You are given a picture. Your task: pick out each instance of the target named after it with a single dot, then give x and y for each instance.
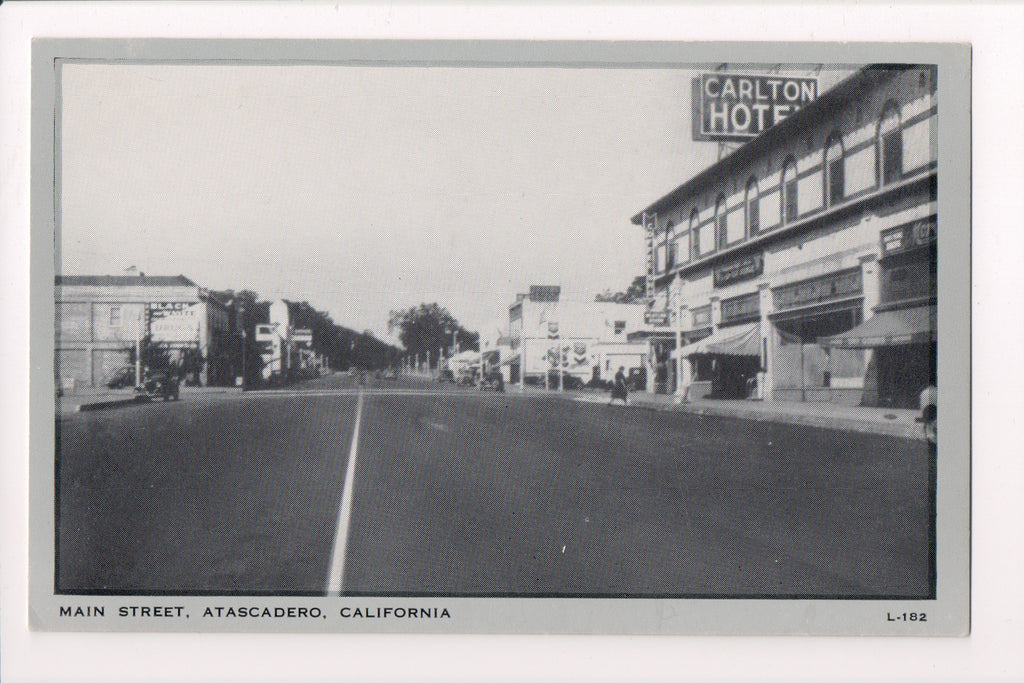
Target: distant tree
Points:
(427, 328)
(636, 292)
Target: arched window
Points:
(694, 234)
(788, 190)
(834, 164)
(890, 144)
(752, 204)
(670, 246)
(720, 217)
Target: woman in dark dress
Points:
(619, 389)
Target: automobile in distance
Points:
(493, 381)
(122, 379)
(158, 385)
(569, 381)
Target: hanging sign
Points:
(656, 318)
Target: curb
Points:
(103, 405)
(839, 423)
(844, 424)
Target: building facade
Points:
(285, 349)
(589, 340)
(100, 319)
(802, 265)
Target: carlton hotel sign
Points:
(737, 107)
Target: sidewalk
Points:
(885, 421)
(82, 400)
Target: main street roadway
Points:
(404, 488)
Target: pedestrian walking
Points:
(619, 389)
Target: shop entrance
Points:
(903, 372)
(805, 370)
(731, 376)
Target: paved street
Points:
(458, 492)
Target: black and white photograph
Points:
(450, 338)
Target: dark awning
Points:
(888, 328)
(741, 340)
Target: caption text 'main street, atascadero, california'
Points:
(257, 612)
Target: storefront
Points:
(805, 311)
(726, 364)
(902, 332)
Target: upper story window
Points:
(720, 222)
(670, 246)
(752, 204)
(834, 164)
(788, 190)
(890, 144)
(115, 316)
(695, 234)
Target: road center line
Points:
(335, 579)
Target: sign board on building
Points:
(174, 321)
(742, 106)
(549, 293)
(739, 270)
(656, 318)
(903, 237)
(302, 336)
(839, 285)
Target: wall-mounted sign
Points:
(739, 270)
(903, 237)
(302, 336)
(656, 318)
(839, 285)
(742, 106)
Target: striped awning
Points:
(739, 340)
(888, 328)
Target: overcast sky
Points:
(367, 189)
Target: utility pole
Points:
(138, 346)
(241, 313)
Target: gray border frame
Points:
(948, 613)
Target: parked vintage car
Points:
(159, 385)
(122, 379)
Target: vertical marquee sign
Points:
(738, 107)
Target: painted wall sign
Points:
(739, 270)
(174, 321)
(742, 106)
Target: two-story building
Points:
(802, 265)
(587, 339)
(101, 318)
